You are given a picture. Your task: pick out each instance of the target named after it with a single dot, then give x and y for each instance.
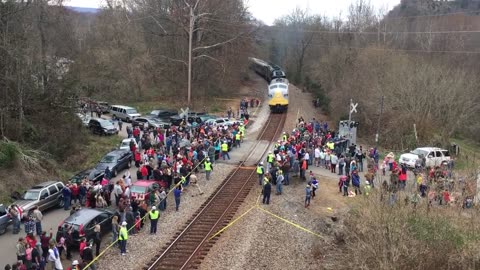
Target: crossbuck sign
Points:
(353, 107)
(184, 112)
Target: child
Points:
(341, 183)
(314, 186)
(138, 222)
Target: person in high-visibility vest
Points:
(153, 215)
(224, 148)
(284, 136)
(123, 237)
(260, 172)
(241, 128)
(270, 159)
(238, 138)
(208, 168)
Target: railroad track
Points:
(191, 244)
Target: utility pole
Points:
(379, 120)
(190, 41)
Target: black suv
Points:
(90, 174)
(83, 222)
(163, 114)
(102, 127)
(116, 161)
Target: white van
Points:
(125, 113)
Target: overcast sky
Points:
(269, 10)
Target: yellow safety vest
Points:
(237, 136)
(242, 129)
(154, 215)
(331, 145)
(183, 179)
(123, 233)
(270, 158)
(224, 147)
(208, 166)
(259, 169)
(265, 181)
(284, 137)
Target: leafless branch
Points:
(211, 58)
(159, 24)
(172, 59)
(217, 44)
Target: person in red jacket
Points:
(144, 172)
(30, 239)
(75, 192)
(137, 158)
(45, 240)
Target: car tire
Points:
(2, 231)
(127, 120)
(60, 203)
(129, 164)
(114, 117)
(114, 173)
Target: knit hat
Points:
(75, 262)
(124, 223)
(154, 208)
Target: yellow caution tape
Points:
(290, 222)
(231, 223)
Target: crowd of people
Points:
(313, 144)
(172, 158)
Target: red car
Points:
(142, 188)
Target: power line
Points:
(432, 15)
(285, 29)
(373, 48)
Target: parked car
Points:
(45, 195)
(102, 127)
(125, 113)
(116, 161)
(433, 156)
(85, 118)
(153, 123)
(5, 219)
(83, 222)
(206, 117)
(125, 144)
(91, 174)
(104, 107)
(142, 188)
(163, 114)
(220, 122)
(176, 120)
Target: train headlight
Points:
(285, 95)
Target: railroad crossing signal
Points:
(184, 112)
(353, 107)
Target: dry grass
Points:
(378, 235)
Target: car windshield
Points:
(125, 144)
(138, 189)
(155, 112)
(105, 123)
(131, 111)
(108, 159)
(419, 152)
(31, 195)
